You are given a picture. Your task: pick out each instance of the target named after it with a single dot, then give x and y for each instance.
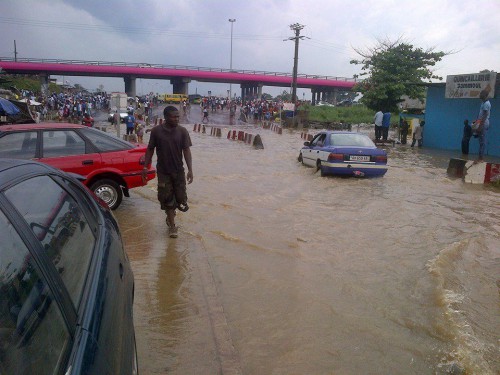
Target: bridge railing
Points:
(179, 67)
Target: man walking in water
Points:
(171, 142)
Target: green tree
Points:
(285, 96)
(394, 69)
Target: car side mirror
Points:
(307, 143)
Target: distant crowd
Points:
(77, 106)
(249, 109)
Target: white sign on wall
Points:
(470, 85)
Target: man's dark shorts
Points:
(172, 190)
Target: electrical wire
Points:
(158, 31)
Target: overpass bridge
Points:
(250, 81)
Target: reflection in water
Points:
(173, 328)
(322, 275)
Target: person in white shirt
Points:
(378, 124)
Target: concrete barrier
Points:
(199, 128)
(474, 173)
(233, 135)
(273, 127)
(456, 167)
(130, 137)
(257, 142)
(103, 128)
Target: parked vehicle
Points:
(175, 98)
(326, 104)
(66, 286)
(194, 98)
(109, 165)
(111, 116)
(344, 153)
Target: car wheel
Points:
(300, 158)
(109, 191)
(319, 168)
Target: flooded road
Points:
(280, 271)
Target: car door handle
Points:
(87, 162)
(121, 270)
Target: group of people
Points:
(135, 124)
(382, 123)
(417, 128)
(257, 110)
(476, 129)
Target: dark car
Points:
(111, 166)
(66, 286)
(344, 153)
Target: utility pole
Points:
(15, 51)
(232, 20)
(295, 27)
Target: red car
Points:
(109, 165)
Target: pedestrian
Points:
(421, 143)
(139, 129)
(467, 134)
(386, 123)
(88, 120)
(378, 124)
(482, 124)
(171, 142)
(130, 122)
(404, 131)
(205, 115)
(417, 133)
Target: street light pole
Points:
(232, 20)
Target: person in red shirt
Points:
(88, 120)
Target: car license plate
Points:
(359, 158)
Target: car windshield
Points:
(349, 139)
(105, 142)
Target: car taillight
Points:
(380, 159)
(333, 157)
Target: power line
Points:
(156, 31)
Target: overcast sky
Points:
(198, 33)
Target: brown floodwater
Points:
(278, 270)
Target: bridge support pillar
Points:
(259, 91)
(180, 85)
(316, 97)
(251, 91)
(44, 83)
(130, 86)
(245, 92)
(334, 96)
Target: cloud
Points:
(197, 33)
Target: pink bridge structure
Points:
(251, 82)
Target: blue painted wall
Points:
(444, 121)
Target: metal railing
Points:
(179, 67)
